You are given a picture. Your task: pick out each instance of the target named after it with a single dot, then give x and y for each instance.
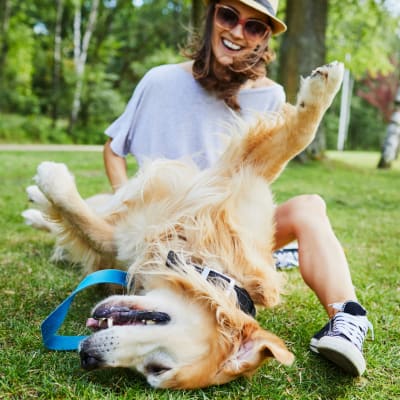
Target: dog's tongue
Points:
(93, 323)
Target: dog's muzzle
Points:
(90, 359)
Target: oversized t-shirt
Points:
(170, 115)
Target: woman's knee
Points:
(298, 215)
(306, 208)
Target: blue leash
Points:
(54, 321)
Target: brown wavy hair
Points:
(225, 81)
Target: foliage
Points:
(31, 129)
(363, 34)
(17, 73)
(122, 41)
(380, 90)
(365, 220)
(124, 46)
(366, 126)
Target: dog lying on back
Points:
(197, 246)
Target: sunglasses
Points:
(228, 18)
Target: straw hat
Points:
(267, 7)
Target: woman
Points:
(175, 112)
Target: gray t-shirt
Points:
(170, 115)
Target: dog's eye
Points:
(156, 369)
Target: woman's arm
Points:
(115, 167)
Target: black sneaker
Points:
(341, 339)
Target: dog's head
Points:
(182, 332)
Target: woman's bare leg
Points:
(323, 264)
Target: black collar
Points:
(245, 302)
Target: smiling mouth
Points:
(105, 317)
(230, 45)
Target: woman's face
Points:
(230, 43)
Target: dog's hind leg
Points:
(88, 238)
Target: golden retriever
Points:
(197, 246)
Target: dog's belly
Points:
(193, 222)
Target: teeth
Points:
(231, 45)
(102, 322)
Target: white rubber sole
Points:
(343, 353)
(314, 345)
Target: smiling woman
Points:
(234, 50)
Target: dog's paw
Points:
(35, 219)
(36, 196)
(321, 86)
(54, 180)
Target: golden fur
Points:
(222, 218)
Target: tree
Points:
(81, 47)
(5, 14)
(303, 49)
(196, 14)
(360, 33)
(37, 61)
(57, 60)
(391, 145)
(380, 90)
(4, 44)
(365, 35)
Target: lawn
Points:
(364, 207)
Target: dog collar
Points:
(245, 302)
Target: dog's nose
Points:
(89, 359)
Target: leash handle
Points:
(53, 322)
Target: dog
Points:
(197, 246)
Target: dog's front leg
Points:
(268, 147)
(76, 221)
(315, 96)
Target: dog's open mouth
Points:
(108, 316)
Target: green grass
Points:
(363, 205)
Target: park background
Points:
(68, 67)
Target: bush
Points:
(366, 127)
(92, 134)
(31, 129)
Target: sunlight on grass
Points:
(362, 159)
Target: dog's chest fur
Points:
(214, 220)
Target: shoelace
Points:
(354, 327)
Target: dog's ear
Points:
(255, 348)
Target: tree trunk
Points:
(302, 50)
(390, 148)
(196, 14)
(4, 25)
(57, 61)
(80, 55)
